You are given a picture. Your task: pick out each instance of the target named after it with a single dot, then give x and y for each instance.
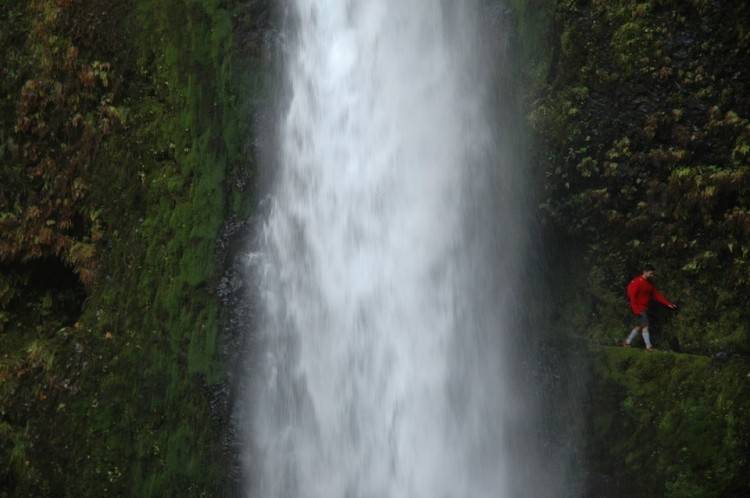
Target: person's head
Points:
(648, 271)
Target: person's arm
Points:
(659, 298)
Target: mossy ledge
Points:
(669, 425)
(124, 146)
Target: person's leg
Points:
(637, 326)
(646, 337)
(644, 330)
(632, 335)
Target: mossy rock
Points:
(671, 425)
(121, 400)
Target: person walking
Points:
(640, 292)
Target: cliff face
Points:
(123, 128)
(646, 160)
(642, 140)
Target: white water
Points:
(385, 301)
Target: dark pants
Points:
(641, 320)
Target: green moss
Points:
(670, 425)
(640, 137)
(122, 396)
(624, 130)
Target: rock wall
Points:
(124, 147)
(640, 124)
(645, 132)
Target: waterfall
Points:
(388, 262)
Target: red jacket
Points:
(640, 293)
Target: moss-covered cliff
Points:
(646, 138)
(640, 121)
(123, 133)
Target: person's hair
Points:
(649, 268)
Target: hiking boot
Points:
(650, 350)
(624, 344)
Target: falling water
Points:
(388, 262)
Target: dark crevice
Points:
(46, 287)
